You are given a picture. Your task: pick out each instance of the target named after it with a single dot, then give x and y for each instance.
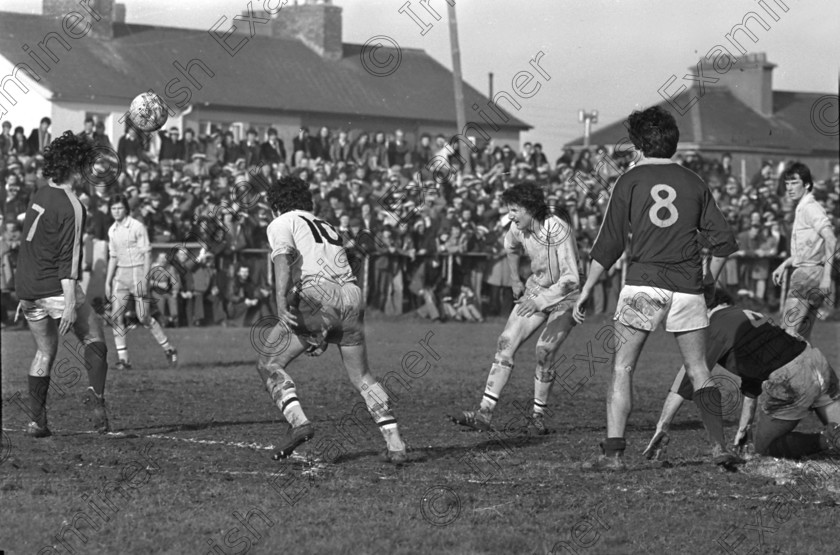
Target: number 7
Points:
(40, 210)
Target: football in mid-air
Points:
(148, 112)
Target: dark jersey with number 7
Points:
(671, 214)
(51, 249)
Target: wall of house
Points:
(24, 107)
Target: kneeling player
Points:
(325, 306)
(549, 297)
(782, 375)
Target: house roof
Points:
(272, 74)
(721, 121)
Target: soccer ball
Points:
(148, 112)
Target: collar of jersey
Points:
(649, 161)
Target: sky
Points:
(605, 55)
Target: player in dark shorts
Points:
(47, 279)
(782, 377)
(318, 302)
(666, 207)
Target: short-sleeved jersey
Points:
(747, 344)
(51, 249)
(316, 246)
(807, 246)
(554, 258)
(670, 211)
(128, 243)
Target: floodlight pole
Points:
(460, 115)
(587, 119)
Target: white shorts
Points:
(52, 307)
(644, 307)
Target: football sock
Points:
(157, 333)
(709, 403)
(96, 357)
(499, 374)
(542, 389)
(38, 387)
(614, 446)
(376, 399)
(119, 341)
(794, 445)
(282, 390)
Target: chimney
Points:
(317, 23)
(119, 13)
(104, 9)
(750, 79)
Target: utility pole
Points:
(460, 115)
(587, 119)
(490, 78)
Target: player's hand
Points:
(740, 441)
(579, 313)
(287, 318)
(526, 308)
(778, 274)
(68, 317)
(655, 450)
(518, 288)
(108, 292)
(825, 284)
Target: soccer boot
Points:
(172, 357)
(99, 415)
(123, 365)
(536, 426)
(477, 420)
(36, 430)
(830, 438)
(725, 458)
(396, 457)
(293, 438)
(657, 447)
(613, 463)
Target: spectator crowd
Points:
(421, 235)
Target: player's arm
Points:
(513, 251)
(746, 420)
(146, 248)
(831, 249)
(717, 235)
(282, 280)
(69, 253)
(680, 391)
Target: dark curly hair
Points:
(67, 155)
(289, 193)
(804, 173)
(654, 131)
(119, 198)
(531, 197)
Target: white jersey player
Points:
(547, 297)
(318, 302)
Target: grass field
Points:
(191, 469)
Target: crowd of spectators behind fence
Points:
(378, 191)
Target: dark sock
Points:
(709, 403)
(97, 366)
(794, 445)
(38, 387)
(614, 446)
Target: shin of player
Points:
(547, 297)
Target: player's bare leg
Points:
(45, 332)
(280, 348)
(707, 397)
(517, 330)
(376, 399)
(142, 304)
(799, 317)
(548, 346)
(88, 329)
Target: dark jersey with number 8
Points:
(671, 214)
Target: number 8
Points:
(666, 202)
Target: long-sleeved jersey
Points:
(747, 344)
(554, 259)
(51, 249)
(670, 212)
